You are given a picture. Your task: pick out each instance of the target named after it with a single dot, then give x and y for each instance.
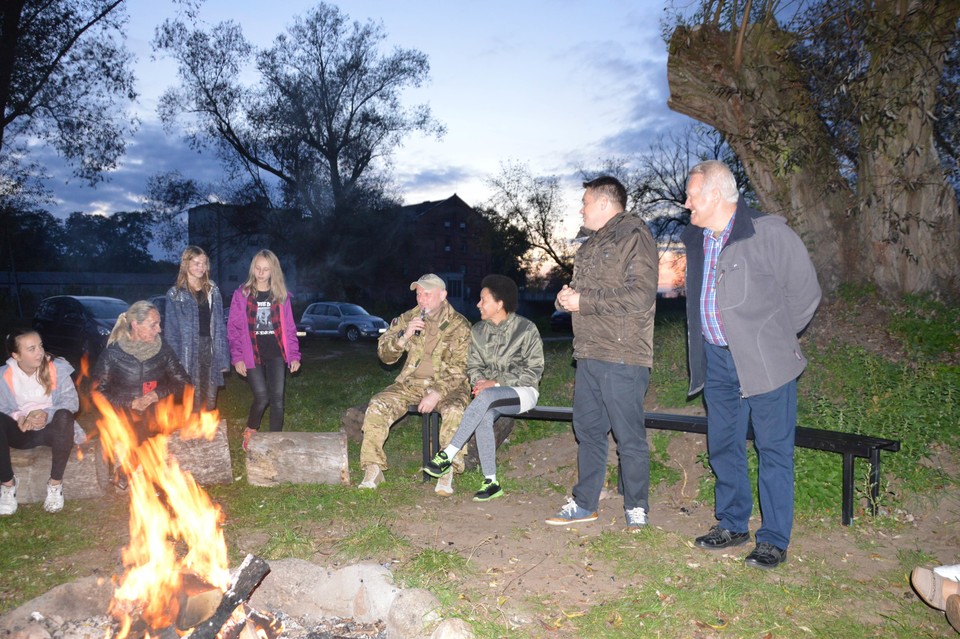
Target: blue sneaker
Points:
(571, 513)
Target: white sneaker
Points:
(445, 485)
(8, 498)
(635, 517)
(372, 477)
(54, 501)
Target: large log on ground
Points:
(207, 460)
(297, 458)
(86, 475)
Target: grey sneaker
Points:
(635, 517)
(8, 498)
(571, 513)
(372, 477)
(54, 501)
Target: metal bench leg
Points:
(430, 435)
(425, 439)
(846, 508)
(874, 480)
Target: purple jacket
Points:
(238, 333)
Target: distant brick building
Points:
(452, 240)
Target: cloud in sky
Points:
(557, 84)
(151, 151)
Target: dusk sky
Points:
(557, 84)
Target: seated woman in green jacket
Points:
(505, 364)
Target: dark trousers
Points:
(609, 397)
(205, 390)
(774, 419)
(58, 435)
(266, 382)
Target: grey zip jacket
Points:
(767, 293)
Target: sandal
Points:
(247, 434)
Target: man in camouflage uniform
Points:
(435, 338)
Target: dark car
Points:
(561, 321)
(340, 319)
(74, 325)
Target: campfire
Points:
(176, 579)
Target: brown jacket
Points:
(615, 272)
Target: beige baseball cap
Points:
(429, 282)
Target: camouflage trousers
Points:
(392, 403)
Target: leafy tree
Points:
(834, 114)
(64, 78)
(326, 108)
(169, 195)
(118, 243)
(534, 205)
(510, 247)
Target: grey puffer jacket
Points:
(767, 293)
(615, 272)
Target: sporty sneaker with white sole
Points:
(8, 498)
(372, 477)
(54, 501)
(635, 517)
(571, 513)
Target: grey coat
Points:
(181, 330)
(767, 292)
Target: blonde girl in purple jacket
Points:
(263, 339)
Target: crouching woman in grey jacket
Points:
(504, 364)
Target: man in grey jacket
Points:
(612, 301)
(751, 289)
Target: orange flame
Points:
(174, 527)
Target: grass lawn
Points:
(665, 593)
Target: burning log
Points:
(198, 600)
(297, 458)
(248, 577)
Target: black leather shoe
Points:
(766, 556)
(722, 538)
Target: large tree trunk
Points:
(769, 118)
(766, 114)
(908, 223)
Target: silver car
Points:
(340, 319)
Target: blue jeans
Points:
(774, 418)
(609, 397)
(266, 382)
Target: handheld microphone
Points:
(423, 314)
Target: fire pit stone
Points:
(294, 587)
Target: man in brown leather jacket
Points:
(612, 301)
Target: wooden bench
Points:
(849, 445)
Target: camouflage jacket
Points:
(449, 357)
